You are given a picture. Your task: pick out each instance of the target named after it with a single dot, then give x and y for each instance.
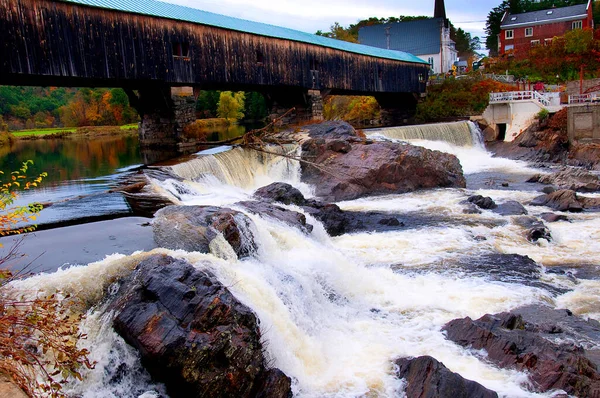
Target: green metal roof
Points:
(182, 13)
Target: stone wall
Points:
(164, 127)
(584, 123)
(591, 84)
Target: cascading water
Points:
(460, 134)
(335, 312)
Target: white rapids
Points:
(335, 312)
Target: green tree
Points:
(465, 44)
(231, 106)
(256, 106)
(207, 103)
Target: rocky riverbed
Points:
(372, 267)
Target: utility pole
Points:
(387, 36)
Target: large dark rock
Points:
(482, 202)
(363, 168)
(333, 130)
(536, 229)
(563, 200)
(290, 217)
(510, 208)
(530, 340)
(280, 192)
(426, 377)
(192, 333)
(193, 228)
(575, 179)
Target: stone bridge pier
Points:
(164, 112)
(308, 104)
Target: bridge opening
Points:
(501, 131)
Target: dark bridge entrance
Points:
(151, 47)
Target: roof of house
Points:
(545, 16)
(418, 37)
(172, 11)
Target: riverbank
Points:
(46, 251)
(72, 132)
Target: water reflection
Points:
(82, 169)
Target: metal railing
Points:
(584, 98)
(500, 78)
(519, 96)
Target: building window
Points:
(181, 50)
(547, 42)
(509, 34)
(430, 60)
(528, 32)
(260, 58)
(535, 43)
(577, 25)
(509, 47)
(421, 78)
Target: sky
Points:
(312, 15)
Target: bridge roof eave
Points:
(161, 9)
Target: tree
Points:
(350, 34)
(466, 45)
(231, 106)
(337, 31)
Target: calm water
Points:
(81, 170)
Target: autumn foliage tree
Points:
(359, 111)
(38, 335)
(231, 105)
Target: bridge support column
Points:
(396, 108)
(164, 111)
(308, 105)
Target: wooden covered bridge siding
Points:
(56, 43)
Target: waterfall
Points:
(463, 134)
(240, 167)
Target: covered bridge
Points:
(148, 47)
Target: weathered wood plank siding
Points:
(86, 45)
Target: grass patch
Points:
(132, 126)
(75, 131)
(41, 132)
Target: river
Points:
(335, 312)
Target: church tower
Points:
(440, 11)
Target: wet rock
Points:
(470, 208)
(548, 189)
(482, 202)
(375, 169)
(10, 389)
(510, 208)
(552, 217)
(563, 200)
(192, 333)
(511, 268)
(574, 179)
(193, 228)
(290, 217)
(333, 130)
(280, 192)
(535, 228)
(392, 222)
(426, 377)
(529, 340)
(339, 146)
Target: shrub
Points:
(542, 115)
(38, 336)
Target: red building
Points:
(520, 32)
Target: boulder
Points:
(510, 208)
(426, 377)
(530, 341)
(536, 229)
(482, 202)
(333, 130)
(373, 168)
(575, 179)
(280, 192)
(552, 217)
(290, 217)
(192, 333)
(563, 200)
(193, 228)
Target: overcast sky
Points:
(312, 15)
